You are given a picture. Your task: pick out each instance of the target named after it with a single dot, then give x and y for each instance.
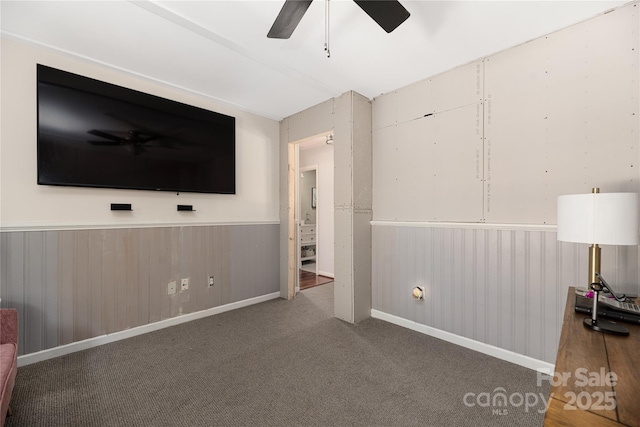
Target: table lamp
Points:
(599, 218)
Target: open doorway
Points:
(348, 118)
(315, 212)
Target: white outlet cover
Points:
(184, 284)
(172, 288)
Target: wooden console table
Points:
(583, 356)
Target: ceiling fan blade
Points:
(110, 143)
(389, 14)
(288, 19)
(138, 137)
(105, 135)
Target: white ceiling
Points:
(219, 48)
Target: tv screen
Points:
(96, 134)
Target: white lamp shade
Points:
(601, 218)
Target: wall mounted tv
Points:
(95, 134)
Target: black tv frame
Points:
(129, 139)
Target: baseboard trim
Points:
(40, 356)
(325, 274)
(491, 350)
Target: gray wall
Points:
(70, 285)
(504, 287)
(467, 167)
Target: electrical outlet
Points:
(172, 288)
(418, 293)
(184, 284)
(211, 282)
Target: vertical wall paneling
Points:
(94, 283)
(404, 274)
(550, 303)
(519, 286)
(33, 290)
(109, 265)
(131, 237)
(71, 285)
(438, 287)
(223, 242)
(274, 258)
(418, 255)
(66, 292)
(244, 259)
(185, 259)
(493, 319)
(14, 295)
(81, 285)
(457, 288)
(158, 275)
(480, 286)
(505, 270)
(449, 268)
(468, 271)
(211, 294)
(534, 279)
(384, 267)
(504, 287)
(198, 282)
(50, 287)
(175, 252)
(118, 282)
(144, 275)
(252, 269)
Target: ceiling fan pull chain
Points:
(326, 28)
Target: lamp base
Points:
(605, 326)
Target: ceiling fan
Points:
(134, 140)
(389, 14)
(134, 137)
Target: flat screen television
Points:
(96, 134)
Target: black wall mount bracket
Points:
(121, 206)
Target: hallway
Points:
(309, 280)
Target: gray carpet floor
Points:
(279, 363)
